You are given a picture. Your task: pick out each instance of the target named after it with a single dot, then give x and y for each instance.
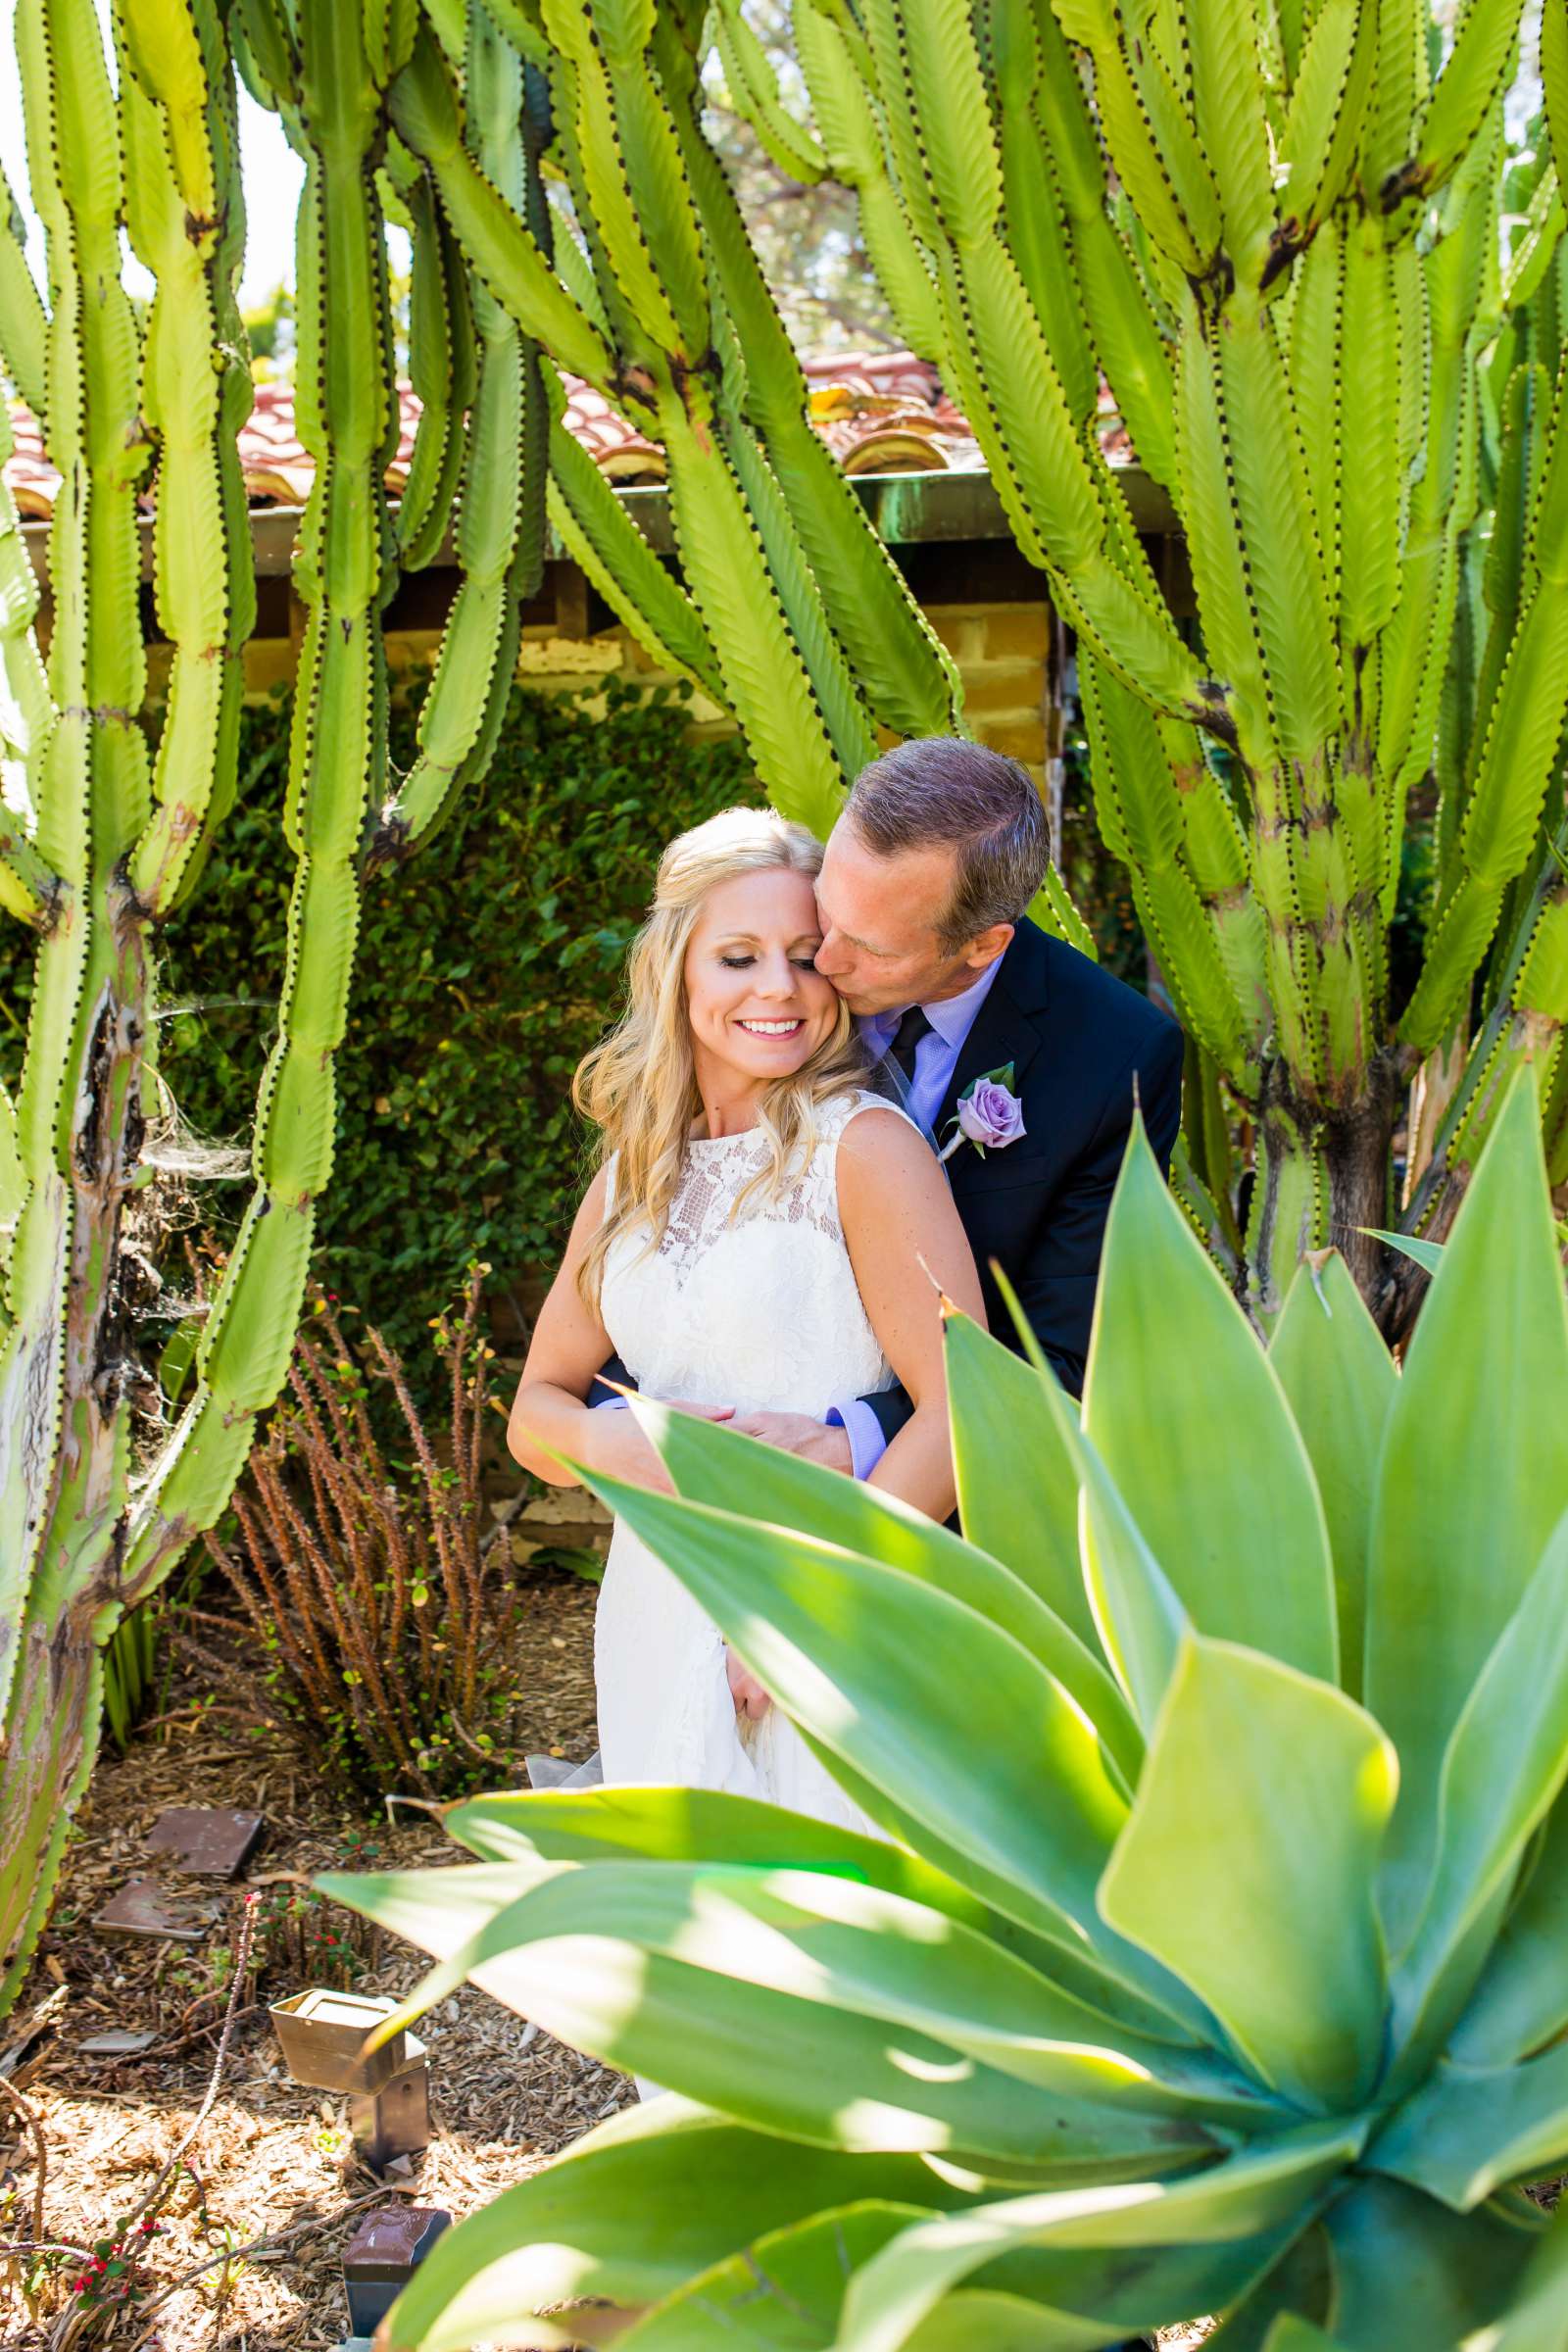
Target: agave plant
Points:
(1212, 1960)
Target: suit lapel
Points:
(1002, 1032)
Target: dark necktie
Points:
(907, 1037)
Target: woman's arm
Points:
(906, 1242)
(569, 1345)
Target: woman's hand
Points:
(750, 1699)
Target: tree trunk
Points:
(1323, 1183)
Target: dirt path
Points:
(273, 2162)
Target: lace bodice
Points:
(760, 1310)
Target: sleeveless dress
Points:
(760, 1310)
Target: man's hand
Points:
(745, 1690)
(798, 1434)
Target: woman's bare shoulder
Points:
(879, 1137)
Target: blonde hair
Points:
(639, 1087)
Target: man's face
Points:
(880, 917)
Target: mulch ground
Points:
(252, 2229)
(247, 2258)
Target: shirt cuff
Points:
(867, 1445)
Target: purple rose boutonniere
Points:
(990, 1115)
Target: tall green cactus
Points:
(103, 844)
(1275, 233)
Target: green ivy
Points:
(487, 966)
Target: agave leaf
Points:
(1339, 1380)
(709, 1825)
(1411, 2278)
(1298, 2289)
(704, 1826)
(693, 1825)
(629, 2213)
(672, 1970)
(1137, 1614)
(735, 1473)
(1250, 1882)
(837, 1639)
(785, 2290)
(1409, 1245)
(1450, 1555)
(1468, 2132)
(1521, 2002)
(1017, 1478)
(1060, 2302)
(1504, 1766)
(1538, 2313)
(1267, 2188)
(1006, 2324)
(1161, 1300)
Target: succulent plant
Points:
(1211, 1964)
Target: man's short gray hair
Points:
(939, 792)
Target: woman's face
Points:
(757, 1006)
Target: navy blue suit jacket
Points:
(1078, 1041)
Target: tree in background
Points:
(804, 222)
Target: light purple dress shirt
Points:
(936, 1058)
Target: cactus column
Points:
(1281, 252)
(97, 851)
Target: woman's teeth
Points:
(771, 1028)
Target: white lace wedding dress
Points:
(760, 1311)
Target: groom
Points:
(941, 848)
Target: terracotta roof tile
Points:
(878, 411)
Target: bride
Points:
(763, 1233)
